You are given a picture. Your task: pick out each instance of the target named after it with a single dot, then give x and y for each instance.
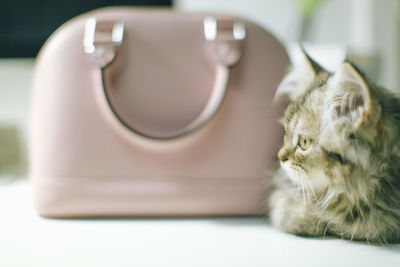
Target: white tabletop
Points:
(28, 240)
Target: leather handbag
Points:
(143, 112)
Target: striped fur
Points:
(347, 182)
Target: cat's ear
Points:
(300, 77)
(349, 96)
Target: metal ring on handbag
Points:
(103, 38)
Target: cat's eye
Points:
(304, 142)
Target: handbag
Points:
(143, 112)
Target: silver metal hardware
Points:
(239, 31)
(102, 39)
(211, 30)
(225, 37)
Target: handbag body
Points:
(140, 112)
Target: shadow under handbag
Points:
(154, 113)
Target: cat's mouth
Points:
(314, 180)
(295, 172)
(300, 178)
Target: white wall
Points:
(387, 38)
(15, 80)
(336, 22)
(281, 17)
(15, 84)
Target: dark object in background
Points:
(25, 24)
(12, 161)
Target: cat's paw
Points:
(292, 217)
(281, 214)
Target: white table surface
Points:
(29, 240)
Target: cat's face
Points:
(301, 155)
(328, 126)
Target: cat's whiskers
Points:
(302, 189)
(329, 196)
(306, 189)
(311, 189)
(304, 186)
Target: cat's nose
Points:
(282, 156)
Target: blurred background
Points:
(365, 31)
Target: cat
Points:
(340, 160)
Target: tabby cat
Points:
(340, 161)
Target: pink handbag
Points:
(154, 113)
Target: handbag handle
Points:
(103, 38)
